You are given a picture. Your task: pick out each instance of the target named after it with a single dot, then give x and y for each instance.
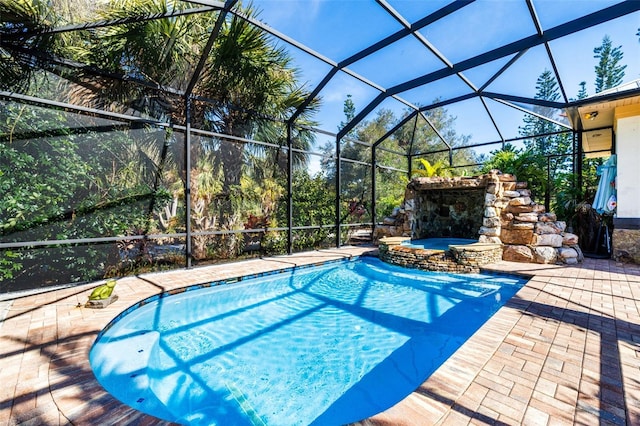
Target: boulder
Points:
(527, 217)
(517, 254)
(518, 209)
(545, 254)
(507, 177)
(501, 203)
(521, 225)
(516, 236)
(567, 253)
(569, 239)
(489, 200)
(409, 204)
(548, 217)
(548, 228)
(511, 194)
(520, 201)
(491, 222)
(539, 208)
(551, 240)
(490, 232)
(488, 239)
(490, 212)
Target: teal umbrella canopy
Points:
(605, 201)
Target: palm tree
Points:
(21, 34)
(248, 87)
(439, 168)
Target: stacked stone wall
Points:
(429, 260)
(528, 233)
(511, 218)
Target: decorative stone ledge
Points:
(458, 258)
(507, 216)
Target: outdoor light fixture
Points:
(591, 115)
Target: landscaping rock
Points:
(511, 194)
(507, 177)
(510, 217)
(491, 222)
(539, 208)
(565, 253)
(579, 251)
(548, 228)
(520, 201)
(521, 225)
(545, 254)
(569, 239)
(491, 232)
(488, 239)
(515, 253)
(548, 217)
(551, 240)
(516, 236)
(490, 212)
(527, 217)
(518, 209)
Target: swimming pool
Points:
(437, 243)
(331, 344)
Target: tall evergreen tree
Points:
(582, 93)
(546, 89)
(609, 71)
(554, 147)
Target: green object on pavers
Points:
(104, 291)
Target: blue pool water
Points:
(437, 243)
(325, 345)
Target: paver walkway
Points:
(564, 350)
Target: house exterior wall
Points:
(626, 234)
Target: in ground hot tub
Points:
(439, 254)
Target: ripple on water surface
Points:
(324, 345)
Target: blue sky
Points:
(340, 28)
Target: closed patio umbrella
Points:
(605, 199)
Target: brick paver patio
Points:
(564, 350)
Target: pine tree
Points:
(547, 89)
(349, 112)
(609, 71)
(554, 147)
(582, 93)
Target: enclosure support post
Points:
(547, 192)
(289, 190)
(578, 161)
(187, 182)
(338, 184)
(373, 191)
(574, 166)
